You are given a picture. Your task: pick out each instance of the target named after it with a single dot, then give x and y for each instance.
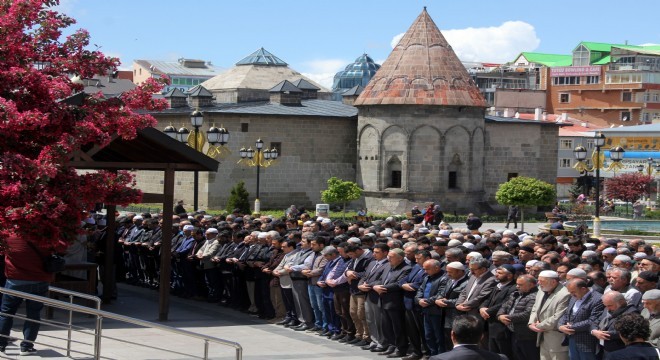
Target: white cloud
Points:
(497, 44)
(323, 71)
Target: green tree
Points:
(525, 191)
(239, 199)
(340, 191)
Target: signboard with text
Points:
(575, 71)
(634, 143)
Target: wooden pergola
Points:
(150, 150)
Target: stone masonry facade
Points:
(312, 149)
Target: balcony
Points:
(633, 67)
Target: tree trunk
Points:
(344, 211)
(522, 219)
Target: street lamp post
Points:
(649, 171)
(217, 138)
(616, 155)
(197, 120)
(259, 158)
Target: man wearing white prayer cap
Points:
(551, 303)
(446, 299)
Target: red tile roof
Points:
(423, 70)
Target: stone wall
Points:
(312, 149)
(524, 149)
(424, 143)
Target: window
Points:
(589, 144)
(625, 116)
(626, 96)
(593, 79)
(566, 80)
(453, 180)
(244, 127)
(277, 146)
(646, 117)
(565, 163)
(396, 179)
(564, 98)
(581, 56)
(510, 176)
(566, 144)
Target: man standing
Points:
(515, 313)
(391, 301)
(499, 339)
(605, 332)
(316, 292)
(651, 312)
(413, 317)
(433, 283)
(634, 331)
(547, 310)
(332, 322)
(25, 272)
(205, 253)
(372, 301)
(473, 223)
(619, 280)
(301, 262)
(355, 270)
(289, 250)
(512, 216)
(466, 332)
(478, 288)
(447, 298)
(584, 309)
(342, 296)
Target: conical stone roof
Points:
(422, 70)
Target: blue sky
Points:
(319, 38)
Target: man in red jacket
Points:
(24, 268)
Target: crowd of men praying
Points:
(395, 287)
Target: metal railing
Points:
(73, 295)
(101, 315)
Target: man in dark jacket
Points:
(433, 283)
(391, 303)
(515, 313)
(372, 301)
(499, 339)
(446, 298)
(634, 331)
(355, 270)
(414, 319)
(466, 332)
(584, 309)
(473, 223)
(616, 306)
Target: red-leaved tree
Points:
(41, 197)
(628, 187)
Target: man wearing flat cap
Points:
(548, 308)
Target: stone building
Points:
(423, 136)
(416, 133)
(262, 98)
